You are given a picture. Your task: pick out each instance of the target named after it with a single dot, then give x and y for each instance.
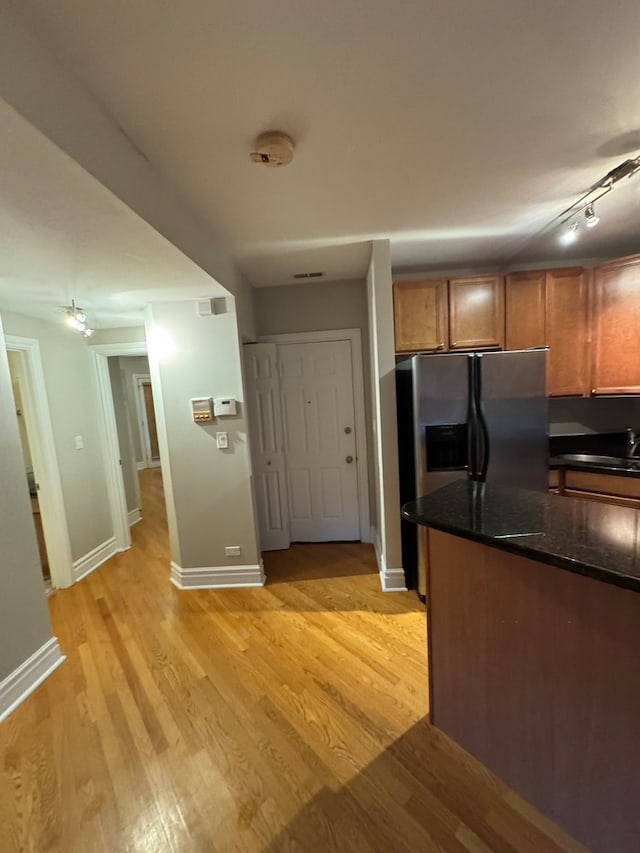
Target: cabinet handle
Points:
(593, 392)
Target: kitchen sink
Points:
(624, 464)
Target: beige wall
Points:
(123, 335)
(380, 302)
(73, 406)
(24, 621)
(322, 306)
(208, 491)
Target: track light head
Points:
(570, 233)
(590, 216)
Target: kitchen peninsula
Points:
(534, 648)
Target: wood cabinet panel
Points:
(528, 664)
(616, 328)
(634, 503)
(567, 332)
(476, 313)
(525, 310)
(603, 484)
(420, 315)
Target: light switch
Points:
(79, 442)
(222, 440)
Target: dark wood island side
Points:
(534, 648)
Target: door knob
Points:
(347, 430)
(349, 459)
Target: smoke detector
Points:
(273, 148)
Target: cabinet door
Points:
(476, 313)
(616, 328)
(525, 311)
(567, 321)
(420, 315)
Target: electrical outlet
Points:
(232, 551)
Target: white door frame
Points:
(43, 451)
(354, 337)
(142, 420)
(109, 437)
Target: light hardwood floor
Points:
(290, 718)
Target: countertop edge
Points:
(513, 547)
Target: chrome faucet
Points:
(633, 442)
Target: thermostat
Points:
(202, 409)
(224, 406)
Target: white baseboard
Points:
(15, 688)
(391, 580)
(141, 465)
(217, 577)
(134, 516)
(94, 558)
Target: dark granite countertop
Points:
(610, 452)
(631, 466)
(598, 540)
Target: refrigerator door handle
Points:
(483, 442)
(472, 423)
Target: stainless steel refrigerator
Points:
(481, 416)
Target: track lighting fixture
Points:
(77, 319)
(570, 219)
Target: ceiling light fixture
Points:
(585, 204)
(77, 319)
(590, 216)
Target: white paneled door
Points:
(267, 445)
(316, 386)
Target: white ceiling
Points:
(63, 236)
(458, 129)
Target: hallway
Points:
(286, 718)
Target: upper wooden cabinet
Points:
(525, 310)
(420, 315)
(616, 327)
(567, 329)
(476, 313)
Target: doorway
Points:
(31, 476)
(306, 406)
(41, 464)
(146, 417)
(104, 356)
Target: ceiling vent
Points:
(308, 275)
(273, 148)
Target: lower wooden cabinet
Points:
(606, 488)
